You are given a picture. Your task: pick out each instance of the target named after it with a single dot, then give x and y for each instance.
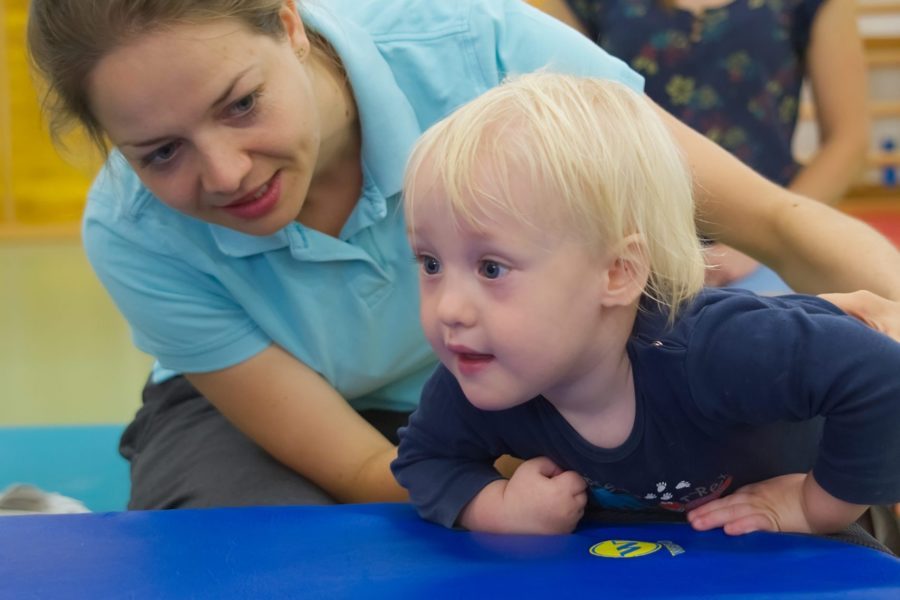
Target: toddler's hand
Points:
(794, 503)
(772, 505)
(541, 498)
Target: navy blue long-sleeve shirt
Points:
(743, 388)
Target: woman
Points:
(247, 223)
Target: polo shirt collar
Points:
(388, 122)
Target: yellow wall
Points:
(37, 187)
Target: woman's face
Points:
(219, 122)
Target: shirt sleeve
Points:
(761, 360)
(446, 453)
(179, 314)
(516, 38)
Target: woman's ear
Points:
(627, 273)
(293, 28)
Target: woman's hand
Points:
(875, 311)
(726, 265)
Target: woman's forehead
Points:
(165, 76)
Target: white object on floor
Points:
(24, 499)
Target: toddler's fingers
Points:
(748, 524)
(571, 481)
(581, 499)
(713, 506)
(723, 512)
(544, 466)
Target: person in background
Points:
(562, 203)
(247, 222)
(733, 70)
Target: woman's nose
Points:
(223, 168)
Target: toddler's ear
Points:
(627, 273)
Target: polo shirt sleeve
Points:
(446, 452)
(516, 38)
(178, 313)
(755, 360)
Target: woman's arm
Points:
(812, 246)
(837, 73)
(296, 416)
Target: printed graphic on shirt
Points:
(682, 496)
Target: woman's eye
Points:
(161, 155)
(491, 269)
(430, 265)
(243, 106)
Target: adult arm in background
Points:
(301, 420)
(805, 241)
(837, 72)
(836, 68)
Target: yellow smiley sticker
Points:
(624, 548)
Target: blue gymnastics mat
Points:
(78, 461)
(385, 551)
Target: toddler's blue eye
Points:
(431, 265)
(492, 270)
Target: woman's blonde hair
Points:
(67, 38)
(601, 160)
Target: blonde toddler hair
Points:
(602, 160)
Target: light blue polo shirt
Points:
(200, 297)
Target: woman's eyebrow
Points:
(225, 95)
(221, 99)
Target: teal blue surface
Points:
(80, 462)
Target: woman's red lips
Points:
(259, 203)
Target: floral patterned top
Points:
(733, 72)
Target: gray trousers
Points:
(185, 454)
